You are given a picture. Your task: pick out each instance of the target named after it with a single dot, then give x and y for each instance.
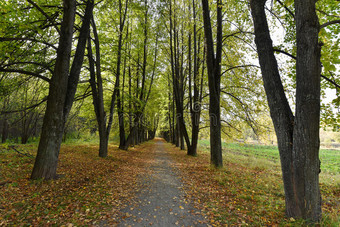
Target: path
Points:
(161, 201)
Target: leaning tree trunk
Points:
(298, 138)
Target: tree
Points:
(214, 77)
(298, 136)
(96, 82)
(62, 89)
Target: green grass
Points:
(268, 190)
(267, 157)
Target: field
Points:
(263, 156)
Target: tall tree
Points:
(195, 96)
(96, 83)
(298, 136)
(213, 60)
(120, 100)
(62, 89)
(138, 131)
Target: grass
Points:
(263, 156)
(249, 190)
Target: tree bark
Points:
(298, 138)
(62, 89)
(306, 141)
(214, 77)
(45, 165)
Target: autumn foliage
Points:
(93, 190)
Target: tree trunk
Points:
(77, 63)
(298, 138)
(306, 141)
(97, 94)
(62, 89)
(120, 101)
(45, 165)
(96, 82)
(214, 77)
(195, 102)
(4, 134)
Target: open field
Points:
(268, 157)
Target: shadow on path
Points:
(161, 201)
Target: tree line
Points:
(176, 67)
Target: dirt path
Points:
(160, 202)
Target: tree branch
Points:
(329, 23)
(331, 81)
(32, 63)
(326, 78)
(25, 72)
(284, 52)
(44, 13)
(239, 66)
(2, 39)
(28, 108)
(284, 6)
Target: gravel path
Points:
(161, 201)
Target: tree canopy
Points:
(127, 70)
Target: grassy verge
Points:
(248, 190)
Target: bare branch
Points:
(326, 78)
(284, 6)
(284, 52)
(236, 33)
(330, 15)
(239, 66)
(32, 63)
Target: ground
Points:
(154, 184)
(161, 201)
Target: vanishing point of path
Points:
(161, 202)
